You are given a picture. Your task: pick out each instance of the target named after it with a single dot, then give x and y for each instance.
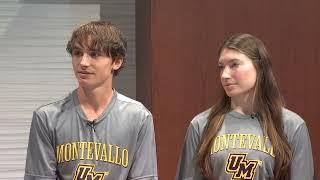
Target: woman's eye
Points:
(220, 67)
(234, 65)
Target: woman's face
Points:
(237, 73)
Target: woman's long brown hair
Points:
(267, 99)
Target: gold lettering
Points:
(216, 144)
(83, 146)
(117, 156)
(104, 156)
(241, 141)
(67, 152)
(94, 151)
(97, 150)
(234, 137)
(60, 155)
(125, 158)
(258, 143)
(75, 151)
(111, 158)
(265, 144)
(224, 142)
(251, 138)
(89, 151)
(271, 152)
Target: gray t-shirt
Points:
(241, 151)
(119, 145)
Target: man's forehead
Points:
(85, 44)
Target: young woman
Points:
(247, 134)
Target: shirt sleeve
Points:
(40, 161)
(144, 166)
(302, 162)
(187, 168)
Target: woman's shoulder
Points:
(291, 118)
(291, 122)
(199, 121)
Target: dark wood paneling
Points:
(143, 52)
(185, 36)
(180, 69)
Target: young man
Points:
(95, 132)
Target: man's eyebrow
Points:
(77, 47)
(94, 49)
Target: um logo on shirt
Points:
(240, 167)
(85, 172)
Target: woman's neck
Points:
(243, 105)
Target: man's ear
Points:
(117, 63)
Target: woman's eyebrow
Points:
(228, 61)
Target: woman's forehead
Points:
(228, 55)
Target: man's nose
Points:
(85, 61)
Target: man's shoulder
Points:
(127, 100)
(62, 103)
(130, 105)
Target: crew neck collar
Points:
(102, 115)
(241, 116)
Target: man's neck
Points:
(94, 101)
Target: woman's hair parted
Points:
(267, 100)
(101, 36)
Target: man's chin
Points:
(84, 83)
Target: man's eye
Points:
(77, 52)
(94, 54)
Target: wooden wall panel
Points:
(184, 38)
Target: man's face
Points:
(92, 68)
